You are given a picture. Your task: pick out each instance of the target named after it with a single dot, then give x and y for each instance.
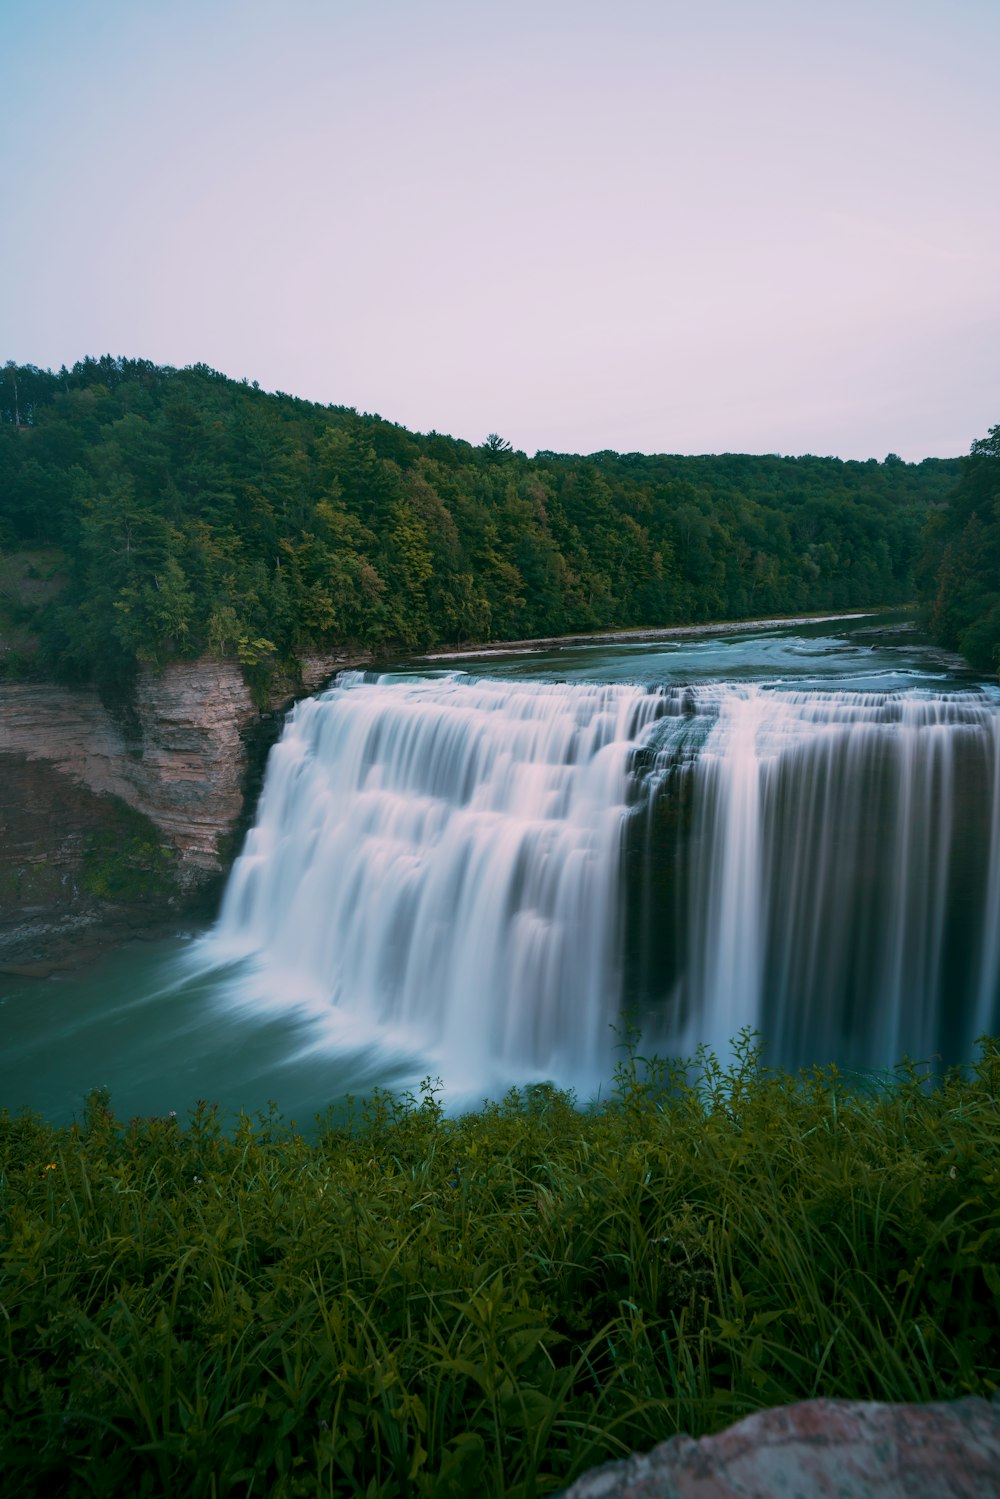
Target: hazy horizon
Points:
(752, 227)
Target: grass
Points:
(409, 1304)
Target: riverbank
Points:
(665, 632)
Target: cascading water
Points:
(835, 875)
(486, 871)
(439, 859)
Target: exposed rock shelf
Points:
(117, 818)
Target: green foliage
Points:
(128, 862)
(198, 513)
(28, 579)
(411, 1304)
(960, 568)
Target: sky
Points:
(718, 225)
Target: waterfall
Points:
(840, 873)
(486, 871)
(439, 857)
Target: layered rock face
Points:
(177, 758)
(75, 868)
(102, 810)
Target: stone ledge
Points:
(821, 1449)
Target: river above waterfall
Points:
(466, 867)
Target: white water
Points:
(437, 866)
(842, 877)
(437, 860)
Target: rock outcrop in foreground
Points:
(821, 1449)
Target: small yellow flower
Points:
(51, 1166)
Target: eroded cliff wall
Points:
(119, 819)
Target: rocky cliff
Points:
(114, 819)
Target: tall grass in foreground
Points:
(414, 1304)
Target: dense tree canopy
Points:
(960, 569)
(194, 512)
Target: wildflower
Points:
(50, 1167)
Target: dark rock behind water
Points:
(821, 1449)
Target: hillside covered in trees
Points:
(180, 511)
(960, 570)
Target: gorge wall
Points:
(123, 819)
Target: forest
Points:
(179, 511)
(959, 572)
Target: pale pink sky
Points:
(760, 226)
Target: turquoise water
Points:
(151, 1024)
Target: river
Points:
(467, 867)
